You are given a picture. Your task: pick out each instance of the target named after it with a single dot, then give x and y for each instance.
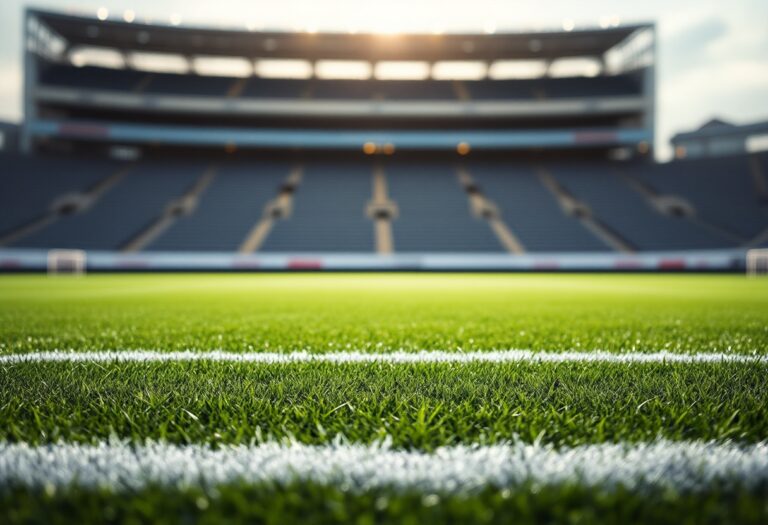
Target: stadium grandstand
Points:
(168, 147)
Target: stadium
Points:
(251, 275)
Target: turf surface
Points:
(418, 406)
(384, 312)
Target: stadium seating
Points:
(227, 210)
(122, 212)
(170, 84)
(91, 77)
(544, 88)
(29, 185)
(628, 213)
(328, 212)
(383, 90)
(274, 88)
(721, 189)
(434, 214)
(531, 211)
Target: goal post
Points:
(66, 262)
(757, 262)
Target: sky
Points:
(713, 55)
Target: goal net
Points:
(757, 262)
(66, 262)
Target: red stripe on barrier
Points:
(546, 265)
(300, 264)
(671, 264)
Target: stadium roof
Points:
(79, 30)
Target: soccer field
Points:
(369, 398)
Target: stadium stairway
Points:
(531, 210)
(36, 192)
(485, 208)
(281, 207)
(176, 208)
(237, 87)
(578, 209)
(118, 215)
(461, 91)
(328, 212)
(382, 211)
(677, 207)
(434, 214)
(628, 214)
(722, 190)
(227, 210)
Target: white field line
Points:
(119, 466)
(398, 357)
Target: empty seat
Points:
(328, 212)
(122, 212)
(274, 88)
(544, 88)
(531, 211)
(382, 90)
(628, 213)
(29, 185)
(90, 77)
(721, 189)
(227, 210)
(196, 85)
(434, 213)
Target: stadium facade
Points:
(540, 159)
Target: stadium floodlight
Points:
(66, 262)
(757, 262)
(369, 148)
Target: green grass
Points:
(314, 505)
(418, 406)
(421, 406)
(384, 312)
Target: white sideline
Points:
(119, 466)
(398, 357)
